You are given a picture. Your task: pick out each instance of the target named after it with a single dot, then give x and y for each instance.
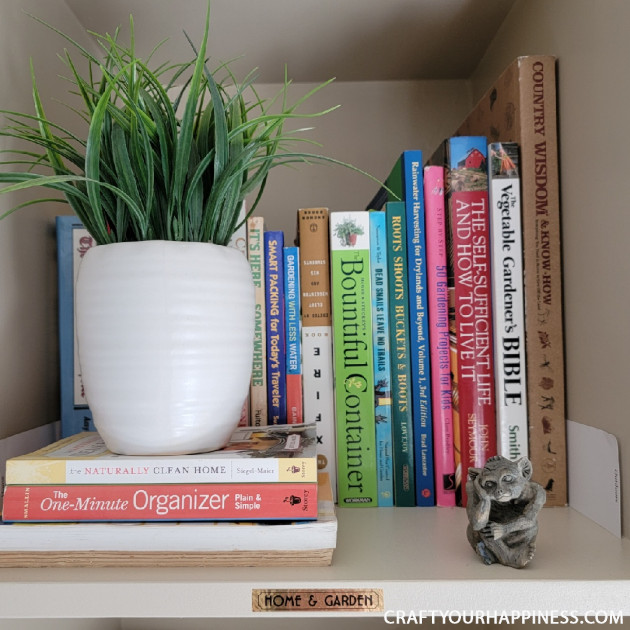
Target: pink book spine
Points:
(439, 336)
(295, 414)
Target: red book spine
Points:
(170, 502)
(473, 317)
(294, 399)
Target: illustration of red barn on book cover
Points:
(469, 221)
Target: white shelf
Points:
(419, 557)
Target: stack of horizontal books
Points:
(83, 499)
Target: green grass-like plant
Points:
(152, 166)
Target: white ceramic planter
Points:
(165, 335)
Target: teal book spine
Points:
(405, 183)
(402, 418)
(382, 366)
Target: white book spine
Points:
(508, 301)
(317, 387)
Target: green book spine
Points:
(353, 358)
(402, 417)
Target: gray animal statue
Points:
(503, 505)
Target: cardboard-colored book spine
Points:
(521, 107)
(317, 354)
(353, 355)
(258, 387)
(238, 241)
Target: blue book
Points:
(276, 340)
(73, 240)
(382, 368)
(402, 409)
(292, 298)
(406, 180)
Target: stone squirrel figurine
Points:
(503, 505)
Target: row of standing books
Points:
(417, 332)
(495, 350)
(436, 278)
(480, 333)
(411, 324)
(292, 376)
(429, 315)
(521, 107)
(504, 328)
(426, 392)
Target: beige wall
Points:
(28, 324)
(374, 123)
(591, 42)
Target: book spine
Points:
(293, 335)
(353, 355)
(169, 502)
(276, 365)
(238, 240)
(507, 297)
(419, 327)
(73, 240)
(402, 420)
(382, 367)
(521, 107)
(258, 388)
(469, 220)
(317, 354)
(155, 470)
(439, 337)
(543, 276)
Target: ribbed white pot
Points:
(165, 337)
